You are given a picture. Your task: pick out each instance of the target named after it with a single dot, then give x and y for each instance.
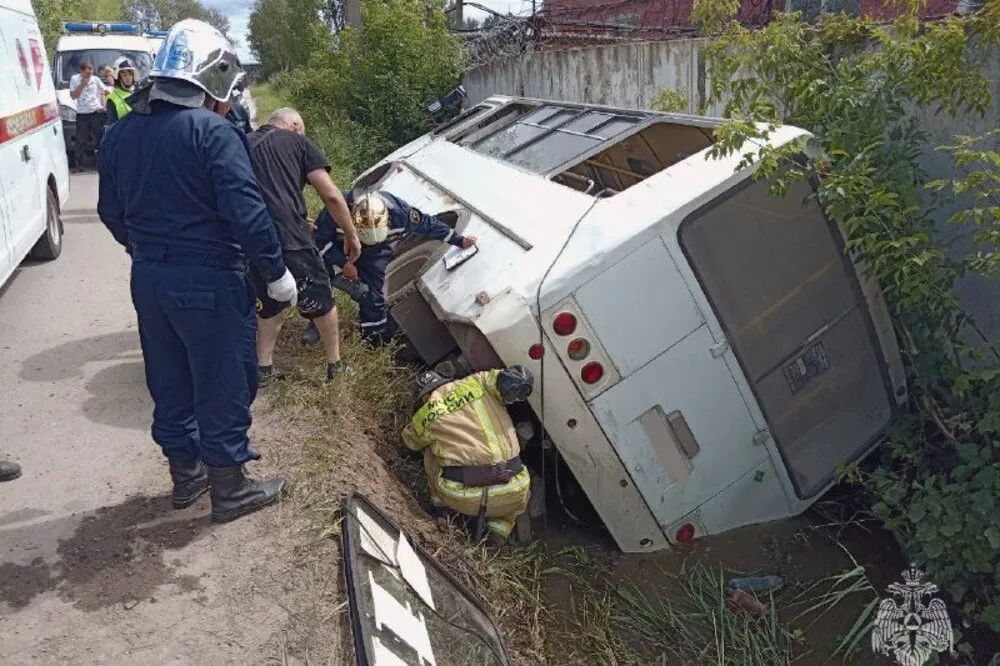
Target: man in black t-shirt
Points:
(284, 160)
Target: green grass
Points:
(267, 99)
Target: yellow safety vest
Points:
(118, 97)
(465, 423)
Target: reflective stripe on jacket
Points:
(464, 423)
(118, 97)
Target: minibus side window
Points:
(634, 157)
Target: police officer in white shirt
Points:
(89, 93)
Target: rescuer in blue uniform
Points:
(177, 190)
(381, 219)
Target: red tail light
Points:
(564, 323)
(535, 352)
(592, 373)
(685, 533)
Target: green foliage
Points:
(285, 34)
(853, 84)
(161, 14)
(671, 101)
(147, 13)
(51, 14)
(376, 82)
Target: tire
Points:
(402, 273)
(49, 246)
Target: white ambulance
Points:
(705, 355)
(100, 43)
(34, 176)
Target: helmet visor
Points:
(198, 53)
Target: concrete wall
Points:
(630, 75)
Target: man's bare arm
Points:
(75, 94)
(334, 201)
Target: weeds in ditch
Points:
(693, 623)
(566, 608)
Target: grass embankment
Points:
(564, 607)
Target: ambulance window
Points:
(67, 63)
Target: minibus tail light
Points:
(592, 373)
(685, 533)
(564, 323)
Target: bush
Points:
(374, 85)
(851, 82)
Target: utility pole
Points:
(460, 14)
(352, 13)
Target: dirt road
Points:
(94, 566)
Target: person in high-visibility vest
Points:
(124, 87)
(471, 447)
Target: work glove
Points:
(284, 289)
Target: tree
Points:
(382, 77)
(853, 83)
(161, 14)
(52, 13)
(285, 33)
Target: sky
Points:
(238, 12)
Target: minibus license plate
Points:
(809, 365)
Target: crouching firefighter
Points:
(471, 449)
(381, 219)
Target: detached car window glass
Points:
(405, 609)
(67, 63)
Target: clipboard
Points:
(459, 256)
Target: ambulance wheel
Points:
(402, 272)
(49, 246)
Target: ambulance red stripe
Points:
(24, 122)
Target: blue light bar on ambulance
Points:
(95, 27)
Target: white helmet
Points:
(123, 64)
(195, 52)
(371, 218)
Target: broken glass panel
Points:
(405, 609)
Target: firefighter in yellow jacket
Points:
(471, 449)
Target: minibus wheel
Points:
(403, 271)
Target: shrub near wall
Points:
(374, 84)
(850, 82)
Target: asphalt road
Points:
(94, 566)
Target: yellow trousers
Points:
(504, 502)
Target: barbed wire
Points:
(563, 24)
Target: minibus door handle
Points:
(25, 154)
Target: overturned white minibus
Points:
(705, 355)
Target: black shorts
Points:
(315, 294)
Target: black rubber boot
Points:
(190, 482)
(311, 336)
(234, 494)
(9, 470)
(334, 370)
